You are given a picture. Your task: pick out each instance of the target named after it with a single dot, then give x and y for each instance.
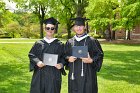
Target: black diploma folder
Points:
(50, 59)
(80, 51)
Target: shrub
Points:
(57, 35)
(72, 34)
(64, 36)
(91, 33)
(96, 36)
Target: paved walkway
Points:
(119, 41)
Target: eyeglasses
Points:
(49, 28)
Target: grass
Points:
(120, 72)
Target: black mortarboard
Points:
(79, 21)
(51, 21)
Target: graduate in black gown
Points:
(82, 76)
(47, 79)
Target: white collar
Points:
(80, 38)
(49, 40)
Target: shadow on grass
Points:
(14, 78)
(123, 65)
(14, 69)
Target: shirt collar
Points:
(81, 37)
(49, 40)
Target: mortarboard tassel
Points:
(82, 70)
(72, 75)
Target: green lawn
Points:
(120, 72)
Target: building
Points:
(134, 34)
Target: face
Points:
(50, 29)
(79, 30)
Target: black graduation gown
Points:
(87, 83)
(48, 78)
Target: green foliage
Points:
(30, 31)
(13, 29)
(57, 35)
(2, 7)
(72, 34)
(113, 15)
(91, 33)
(97, 36)
(65, 36)
(130, 13)
(4, 15)
(118, 14)
(102, 13)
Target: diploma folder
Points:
(80, 51)
(50, 59)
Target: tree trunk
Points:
(109, 37)
(113, 35)
(78, 11)
(0, 23)
(128, 35)
(69, 30)
(13, 35)
(87, 27)
(69, 33)
(41, 18)
(108, 33)
(80, 8)
(41, 29)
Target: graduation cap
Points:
(52, 21)
(79, 21)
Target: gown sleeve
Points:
(97, 55)
(61, 54)
(62, 58)
(35, 55)
(68, 53)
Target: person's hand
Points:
(59, 66)
(87, 60)
(71, 59)
(40, 64)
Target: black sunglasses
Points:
(49, 28)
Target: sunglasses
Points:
(49, 28)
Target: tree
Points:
(38, 7)
(2, 9)
(67, 13)
(103, 16)
(5, 18)
(71, 9)
(130, 15)
(80, 6)
(13, 29)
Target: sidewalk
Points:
(120, 41)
